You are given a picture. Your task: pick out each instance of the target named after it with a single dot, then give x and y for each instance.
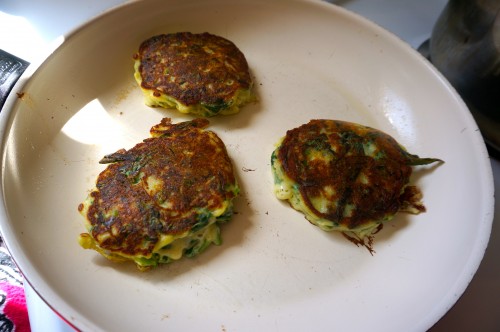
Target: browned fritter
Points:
(193, 68)
(164, 185)
(349, 177)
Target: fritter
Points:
(202, 74)
(345, 177)
(163, 198)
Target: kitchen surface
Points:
(30, 29)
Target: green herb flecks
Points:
(414, 160)
(216, 106)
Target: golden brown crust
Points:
(360, 167)
(193, 68)
(160, 187)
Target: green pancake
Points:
(345, 176)
(201, 74)
(162, 199)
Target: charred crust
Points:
(192, 173)
(193, 68)
(372, 184)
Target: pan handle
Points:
(11, 68)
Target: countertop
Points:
(33, 26)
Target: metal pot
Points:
(465, 47)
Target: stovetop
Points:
(34, 25)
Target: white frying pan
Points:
(274, 270)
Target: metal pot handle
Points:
(11, 68)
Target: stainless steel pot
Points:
(465, 47)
